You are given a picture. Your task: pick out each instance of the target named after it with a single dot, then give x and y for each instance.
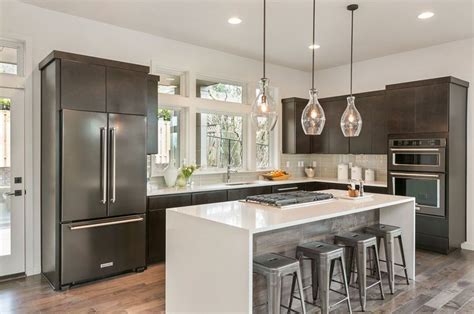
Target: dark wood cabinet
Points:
(156, 223)
(240, 194)
(294, 141)
(209, 197)
(334, 108)
(126, 91)
(288, 187)
(82, 86)
(401, 104)
(152, 115)
(432, 108)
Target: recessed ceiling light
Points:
(234, 20)
(425, 15)
(314, 46)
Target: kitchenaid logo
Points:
(109, 264)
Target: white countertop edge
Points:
(223, 186)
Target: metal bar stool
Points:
(323, 257)
(274, 267)
(360, 243)
(388, 234)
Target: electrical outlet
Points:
(288, 164)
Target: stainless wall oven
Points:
(417, 168)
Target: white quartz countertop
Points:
(153, 189)
(259, 218)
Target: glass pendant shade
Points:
(264, 114)
(351, 120)
(313, 117)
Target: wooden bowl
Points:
(279, 178)
(353, 193)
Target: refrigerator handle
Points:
(103, 134)
(113, 166)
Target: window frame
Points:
(183, 79)
(20, 55)
(204, 77)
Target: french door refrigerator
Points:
(93, 178)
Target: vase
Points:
(171, 174)
(189, 181)
(181, 181)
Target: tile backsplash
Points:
(326, 165)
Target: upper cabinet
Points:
(82, 86)
(126, 91)
(294, 141)
(425, 106)
(152, 115)
(101, 85)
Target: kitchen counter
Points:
(153, 189)
(212, 246)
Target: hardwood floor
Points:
(444, 284)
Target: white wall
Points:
(450, 59)
(45, 30)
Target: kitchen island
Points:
(209, 248)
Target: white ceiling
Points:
(382, 27)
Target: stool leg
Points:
(346, 285)
(378, 271)
(300, 289)
(274, 294)
(292, 293)
(402, 253)
(323, 277)
(389, 254)
(361, 256)
(314, 279)
(350, 264)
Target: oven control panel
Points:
(427, 142)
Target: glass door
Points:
(12, 211)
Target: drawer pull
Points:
(288, 189)
(103, 224)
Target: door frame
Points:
(16, 261)
(32, 168)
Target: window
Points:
(221, 91)
(169, 84)
(219, 140)
(263, 145)
(168, 139)
(11, 57)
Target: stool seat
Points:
(274, 261)
(318, 248)
(381, 230)
(352, 238)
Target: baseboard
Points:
(468, 246)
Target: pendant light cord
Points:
(264, 32)
(314, 43)
(352, 43)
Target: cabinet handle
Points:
(103, 224)
(103, 174)
(113, 160)
(288, 189)
(414, 149)
(420, 175)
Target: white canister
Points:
(342, 172)
(170, 174)
(369, 175)
(356, 173)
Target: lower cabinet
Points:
(240, 194)
(209, 197)
(288, 187)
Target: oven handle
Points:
(414, 149)
(420, 175)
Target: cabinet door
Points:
(303, 141)
(380, 114)
(83, 167)
(169, 201)
(362, 144)
(338, 143)
(152, 117)
(156, 236)
(432, 112)
(240, 194)
(127, 164)
(294, 141)
(288, 187)
(209, 197)
(376, 189)
(126, 91)
(401, 118)
(82, 86)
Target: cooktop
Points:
(289, 198)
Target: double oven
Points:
(417, 168)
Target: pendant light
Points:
(313, 117)
(351, 120)
(264, 114)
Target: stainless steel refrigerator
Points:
(93, 182)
